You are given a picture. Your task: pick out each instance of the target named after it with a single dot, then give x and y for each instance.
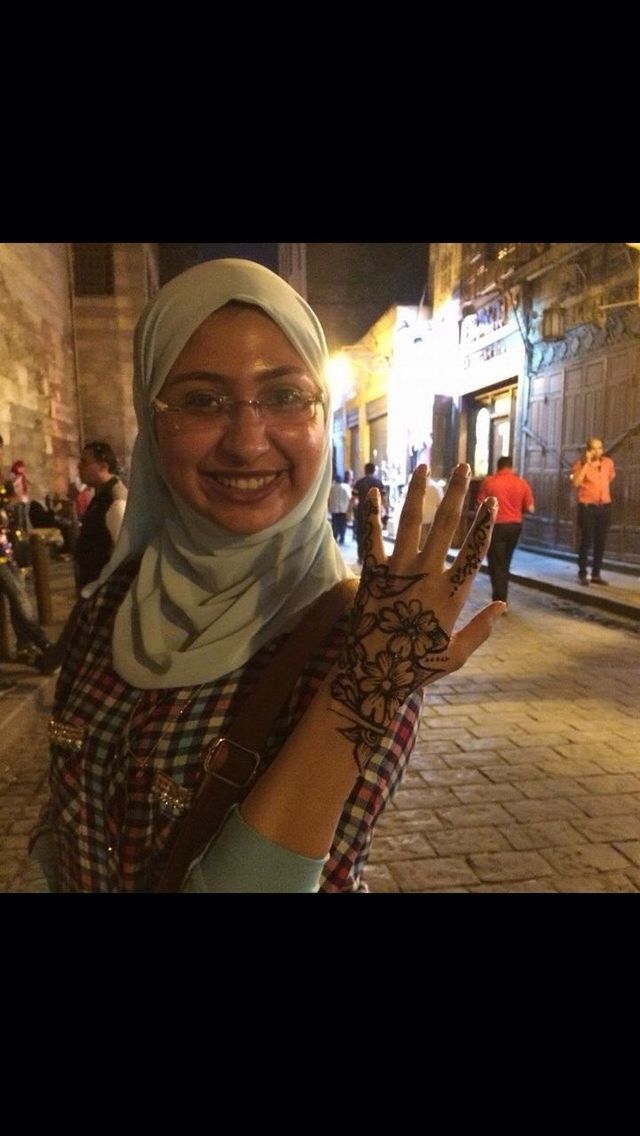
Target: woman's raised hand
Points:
(401, 632)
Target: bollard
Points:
(41, 579)
(5, 637)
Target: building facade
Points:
(548, 354)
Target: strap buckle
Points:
(231, 762)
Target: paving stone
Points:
(458, 841)
(605, 881)
(425, 760)
(425, 875)
(612, 829)
(544, 834)
(479, 757)
(630, 849)
(583, 858)
(405, 846)
(446, 733)
(612, 805)
(470, 794)
(507, 772)
(500, 866)
(545, 885)
(557, 741)
(619, 763)
(525, 754)
(378, 878)
(476, 745)
(539, 789)
(602, 751)
(451, 776)
(473, 816)
(613, 783)
(424, 798)
(543, 810)
(445, 715)
(573, 766)
(499, 727)
(634, 875)
(398, 821)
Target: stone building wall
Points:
(39, 419)
(66, 361)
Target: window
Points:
(93, 270)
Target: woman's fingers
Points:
(447, 517)
(464, 642)
(476, 543)
(373, 542)
(410, 523)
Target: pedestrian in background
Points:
(96, 540)
(592, 477)
(31, 639)
(102, 519)
(339, 501)
(514, 497)
(20, 493)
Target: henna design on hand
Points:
(372, 684)
(474, 552)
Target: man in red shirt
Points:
(514, 495)
(592, 476)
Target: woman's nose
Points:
(244, 434)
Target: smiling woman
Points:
(239, 430)
(224, 564)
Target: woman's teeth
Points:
(247, 483)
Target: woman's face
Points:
(238, 469)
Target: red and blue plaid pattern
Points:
(125, 762)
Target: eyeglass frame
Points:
(161, 407)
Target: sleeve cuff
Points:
(239, 859)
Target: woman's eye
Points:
(286, 396)
(202, 400)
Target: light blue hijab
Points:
(206, 599)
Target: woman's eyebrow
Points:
(260, 377)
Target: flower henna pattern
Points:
(353, 651)
(385, 685)
(414, 632)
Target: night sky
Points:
(266, 254)
(175, 257)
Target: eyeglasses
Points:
(202, 408)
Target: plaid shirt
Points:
(125, 762)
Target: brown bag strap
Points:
(231, 762)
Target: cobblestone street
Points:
(525, 777)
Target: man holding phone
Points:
(592, 477)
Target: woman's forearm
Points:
(298, 801)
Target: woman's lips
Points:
(242, 487)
